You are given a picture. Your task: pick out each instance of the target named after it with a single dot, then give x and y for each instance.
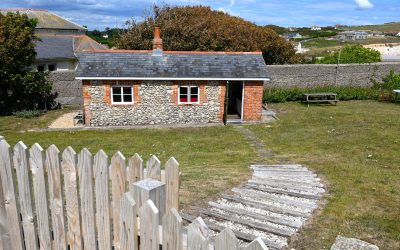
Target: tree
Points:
(20, 88)
(352, 54)
(199, 28)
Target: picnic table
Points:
(397, 92)
(320, 98)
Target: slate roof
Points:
(52, 47)
(171, 65)
(47, 20)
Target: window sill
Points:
(189, 104)
(122, 104)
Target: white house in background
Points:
(316, 27)
(352, 35)
(60, 40)
(291, 29)
(105, 36)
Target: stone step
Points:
(263, 206)
(280, 199)
(257, 216)
(292, 193)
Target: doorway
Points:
(235, 100)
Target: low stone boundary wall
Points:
(311, 75)
(69, 89)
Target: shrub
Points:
(344, 93)
(387, 85)
(352, 54)
(28, 113)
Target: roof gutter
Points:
(175, 78)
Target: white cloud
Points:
(231, 3)
(364, 4)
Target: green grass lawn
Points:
(355, 148)
(322, 43)
(212, 159)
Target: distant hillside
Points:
(393, 27)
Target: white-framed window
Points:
(189, 94)
(121, 94)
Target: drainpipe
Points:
(226, 103)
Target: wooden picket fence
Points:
(54, 200)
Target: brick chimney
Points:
(157, 42)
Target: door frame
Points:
(227, 100)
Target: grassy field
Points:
(212, 159)
(393, 27)
(355, 148)
(322, 43)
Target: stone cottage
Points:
(122, 87)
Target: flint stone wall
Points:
(68, 89)
(312, 75)
(156, 107)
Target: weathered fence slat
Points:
(135, 169)
(69, 169)
(129, 230)
(53, 167)
(226, 240)
(102, 200)
(8, 186)
(154, 168)
(85, 163)
(172, 184)
(197, 234)
(118, 182)
(21, 159)
(149, 231)
(4, 236)
(172, 231)
(257, 244)
(36, 161)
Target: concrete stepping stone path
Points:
(274, 205)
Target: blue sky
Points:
(113, 13)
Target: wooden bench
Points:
(397, 92)
(320, 98)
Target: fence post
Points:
(197, 235)
(149, 226)
(154, 168)
(129, 230)
(25, 196)
(12, 231)
(36, 162)
(150, 189)
(172, 231)
(256, 244)
(172, 184)
(226, 240)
